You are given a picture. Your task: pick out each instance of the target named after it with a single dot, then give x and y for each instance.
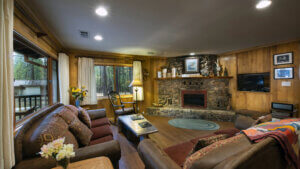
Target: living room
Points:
(152, 84)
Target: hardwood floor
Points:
(167, 136)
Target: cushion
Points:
(50, 128)
(203, 142)
(230, 132)
(73, 109)
(67, 115)
(251, 113)
(243, 122)
(126, 111)
(100, 122)
(263, 119)
(84, 117)
(81, 132)
(206, 150)
(101, 131)
(101, 140)
(179, 152)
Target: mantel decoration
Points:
(59, 151)
(79, 94)
(191, 65)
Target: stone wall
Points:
(169, 91)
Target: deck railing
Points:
(27, 104)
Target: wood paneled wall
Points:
(151, 64)
(260, 60)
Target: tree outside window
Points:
(113, 78)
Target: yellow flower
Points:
(83, 87)
(84, 94)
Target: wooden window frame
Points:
(20, 39)
(115, 81)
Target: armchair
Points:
(118, 105)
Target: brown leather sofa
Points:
(58, 121)
(266, 154)
(242, 154)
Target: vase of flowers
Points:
(59, 151)
(79, 94)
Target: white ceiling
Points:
(170, 27)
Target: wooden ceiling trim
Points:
(30, 18)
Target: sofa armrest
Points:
(155, 158)
(36, 163)
(97, 113)
(110, 149)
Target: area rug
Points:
(194, 124)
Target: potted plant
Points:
(59, 151)
(79, 94)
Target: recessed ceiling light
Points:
(263, 4)
(98, 37)
(101, 11)
(192, 53)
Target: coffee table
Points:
(132, 127)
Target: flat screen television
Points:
(256, 82)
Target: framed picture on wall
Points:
(284, 73)
(283, 58)
(191, 65)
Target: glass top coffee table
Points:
(136, 125)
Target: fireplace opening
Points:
(195, 99)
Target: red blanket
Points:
(283, 131)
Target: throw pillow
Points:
(202, 152)
(81, 132)
(203, 142)
(67, 115)
(50, 128)
(230, 132)
(84, 117)
(243, 122)
(73, 109)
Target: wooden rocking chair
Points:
(118, 105)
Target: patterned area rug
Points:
(194, 124)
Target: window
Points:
(35, 79)
(110, 78)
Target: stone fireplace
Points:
(216, 92)
(193, 98)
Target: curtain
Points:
(86, 77)
(138, 75)
(6, 85)
(63, 74)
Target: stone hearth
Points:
(215, 115)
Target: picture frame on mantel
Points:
(284, 73)
(191, 65)
(283, 58)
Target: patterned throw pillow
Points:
(84, 117)
(73, 109)
(202, 152)
(67, 115)
(203, 142)
(81, 132)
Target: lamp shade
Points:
(136, 83)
